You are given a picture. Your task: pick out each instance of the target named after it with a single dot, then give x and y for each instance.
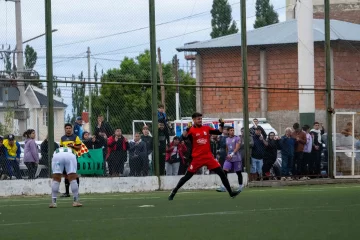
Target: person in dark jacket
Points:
(103, 126)
(4, 164)
(315, 161)
(91, 142)
(137, 155)
(270, 153)
(257, 154)
(255, 126)
(187, 156)
(117, 153)
(287, 146)
(148, 140)
(222, 146)
(44, 160)
(164, 140)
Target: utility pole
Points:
(245, 84)
(162, 88)
(177, 96)
(154, 89)
(90, 90)
(20, 64)
(49, 78)
(329, 96)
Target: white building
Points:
(36, 102)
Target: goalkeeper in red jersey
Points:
(201, 154)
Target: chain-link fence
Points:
(103, 87)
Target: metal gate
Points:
(346, 139)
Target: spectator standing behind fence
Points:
(257, 154)
(4, 164)
(187, 156)
(316, 151)
(78, 128)
(14, 151)
(31, 153)
(287, 146)
(315, 161)
(222, 146)
(270, 153)
(305, 166)
(300, 141)
(257, 126)
(148, 140)
(214, 146)
(164, 140)
(174, 155)
(117, 153)
(103, 126)
(162, 115)
(242, 145)
(44, 160)
(91, 142)
(138, 155)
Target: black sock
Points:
(67, 186)
(183, 180)
(240, 177)
(224, 179)
(78, 181)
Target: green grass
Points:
(311, 212)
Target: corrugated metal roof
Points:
(281, 33)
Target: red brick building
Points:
(273, 62)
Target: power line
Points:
(176, 36)
(137, 29)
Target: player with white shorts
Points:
(64, 159)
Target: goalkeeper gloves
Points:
(221, 122)
(189, 125)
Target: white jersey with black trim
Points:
(63, 149)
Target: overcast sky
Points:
(83, 20)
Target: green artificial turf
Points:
(311, 212)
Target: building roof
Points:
(42, 98)
(281, 33)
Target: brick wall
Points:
(223, 68)
(347, 74)
(343, 12)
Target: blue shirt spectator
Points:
(78, 129)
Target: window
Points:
(46, 120)
(45, 117)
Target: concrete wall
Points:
(114, 185)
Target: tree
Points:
(56, 89)
(68, 119)
(78, 96)
(127, 102)
(6, 56)
(265, 14)
(95, 90)
(30, 61)
(221, 22)
(30, 57)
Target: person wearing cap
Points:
(14, 151)
(78, 129)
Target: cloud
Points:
(83, 20)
